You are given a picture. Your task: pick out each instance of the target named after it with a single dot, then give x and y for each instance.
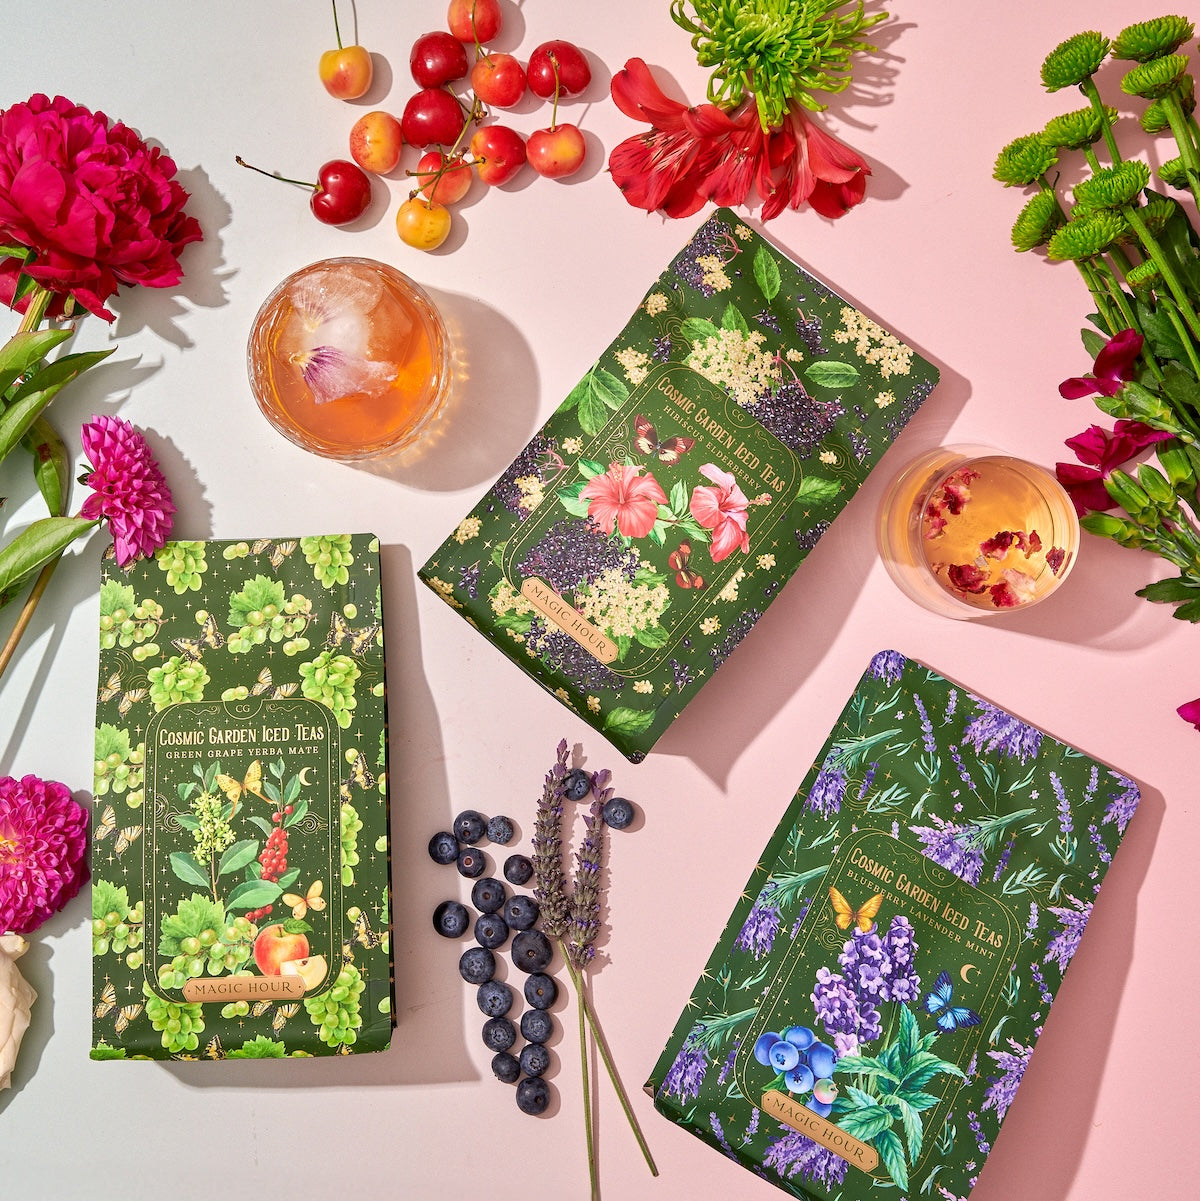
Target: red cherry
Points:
(557, 151)
(437, 58)
(442, 179)
(558, 64)
(498, 80)
(499, 153)
(474, 20)
(433, 117)
(340, 195)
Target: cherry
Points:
(556, 151)
(498, 152)
(560, 67)
(422, 224)
(474, 20)
(375, 142)
(443, 179)
(437, 58)
(432, 117)
(347, 71)
(498, 80)
(340, 195)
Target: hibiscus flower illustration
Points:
(625, 499)
(722, 508)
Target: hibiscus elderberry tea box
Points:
(644, 530)
(239, 860)
(873, 1001)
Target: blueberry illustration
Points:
(450, 919)
(531, 951)
(540, 991)
(517, 869)
(820, 1108)
(800, 1079)
(521, 913)
(491, 930)
(783, 1056)
(505, 1067)
(443, 847)
(488, 895)
(533, 1095)
(471, 862)
(500, 830)
(821, 1059)
(762, 1048)
(499, 1034)
(618, 813)
(535, 1059)
(470, 826)
(536, 1026)
(477, 965)
(801, 1037)
(494, 999)
(577, 783)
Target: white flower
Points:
(16, 1001)
(766, 562)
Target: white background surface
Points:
(535, 281)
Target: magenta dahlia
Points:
(43, 851)
(128, 489)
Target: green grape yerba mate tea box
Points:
(862, 1026)
(645, 529)
(239, 859)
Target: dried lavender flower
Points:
(586, 891)
(550, 885)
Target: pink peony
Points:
(1191, 712)
(43, 851)
(97, 206)
(624, 498)
(127, 488)
(722, 509)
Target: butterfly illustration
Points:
(282, 1014)
(112, 688)
(341, 633)
(125, 1015)
(279, 550)
(360, 773)
(210, 636)
(863, 917)
(235, 789)
(282, 690)
(214, 1050)
(312, 899)
(669, 450)
(108, 1000)
(107, 823)
(263, 682)
(363, 935)
(260, 1007)
(678, 561)
(126, 837)
(939, 1000)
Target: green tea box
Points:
(644, 530)
(239, 857)
(865, 1020)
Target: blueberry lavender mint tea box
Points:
(647, 526)
(239, 860)
(872, 1003)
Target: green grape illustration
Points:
(183, 564)
(351, 823)
(178, 1022)
(178, 679)
(260, 611)
(116, 925)
(329, 679)
(236, 550)
(336, 1013)
(330, 557)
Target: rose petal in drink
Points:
(1013, 588)
(331, 374)
(334, 292)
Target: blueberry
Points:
(505, 1067)
(800, 1079)
(784, 1056)
(521, 913)
(470, 826)
(450, 919)
(536, 1026)
(540, 991)
(471, 862)
(533, 1095)
(531, 950)
(535, 1059)
(488, 895)
(494, 999)
(443, 847)
(517, 869)
(500, 829)
(821, 1058)
(576, 784)
(477, 965)
(618, 813)
(499, 1034)
(491, 930)
(762, 1048)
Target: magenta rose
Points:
(97, 206)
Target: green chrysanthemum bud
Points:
(1024, 160)
(1075, 130)
(1152, 39)
(1157, 78)
(1173, 173)
(1036, 222)
(1157, 211)
(1086, 238)
(1154, 117)
(1073, 61)
(1145, 277)
(1113, 187)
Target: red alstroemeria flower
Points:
(1191, 712)
(624, 499)
(1112, 369)
(1102, 450)
(808, 165)
(722, 509)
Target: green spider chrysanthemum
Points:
(1152, 39)
(779, 51)
(1173, 173)
(1156, 212)
(1157, 78)
(1144, 277)
(1023, 160)
(1086, 238)
(1075, 130)
(1073, 61)
(1036, 222)
(1113, 187)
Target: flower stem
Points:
(23, 618)
(1089, 89)
(587, 1101)
(1165, 266)
(1183, 140)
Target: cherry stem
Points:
(554, 106)
(337, 32)
(300, 183)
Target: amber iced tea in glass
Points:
(349, 359)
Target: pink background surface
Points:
(535, 281)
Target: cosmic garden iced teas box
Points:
(871, 1006)
(239, 855)
(644, 530)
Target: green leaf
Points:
(24, 350)
(590, 467)
(891, 1154)
(817, 489)
(609, 388)
(1188, 612)
(914, 1130)
(297, 814)
(289, 878)
(866, 1122)
(1177, 588)
(195, 914)
(256, 595)
(679, 498)
(1161, 338)
(1093, 341)
(627, 722)
(652, 636)
(519, 623)
(826, 374)
(262, 823)
(37, 545)
(917, 1099)
(576, 394)
(189, 821)
(624, 642)
(1181, 386)
(658, 533)
(51, 465)
(111, 739)
(732, 319)
(568, 497)
(295, 925)
(922, 1068)
(253, 894)
(864, 1066)
(108, 898)
(593, 413)
(33, 394)
(696, 329)
(291, 790)
(188, 869)
(237, 856)
(909, 1038)
(113, 596)
(766, 272)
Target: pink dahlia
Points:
(128, 489)
(722, 508)
(43, 851)
(624, 498)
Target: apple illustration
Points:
(279, 944)
(311, 970)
